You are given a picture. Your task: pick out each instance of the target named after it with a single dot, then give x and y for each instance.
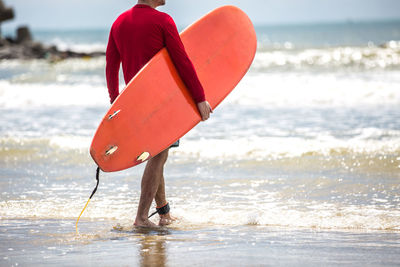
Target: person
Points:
(135, 37)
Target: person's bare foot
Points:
(144, 223)
(166, 219)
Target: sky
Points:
(84, 14)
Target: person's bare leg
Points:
(161, 201)
(160, 194)
(150, 183)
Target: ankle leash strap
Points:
(163, 210)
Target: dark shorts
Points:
(176, 144)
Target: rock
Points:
(23, 35)
(23, 47)
(10, 40)
(5, 13)
(36, 50)
(4, 42)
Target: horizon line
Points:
(8, 30)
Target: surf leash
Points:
(162, 210)
(87, 203)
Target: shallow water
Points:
(51, 242)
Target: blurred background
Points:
(73, 14)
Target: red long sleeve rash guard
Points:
(135, 37)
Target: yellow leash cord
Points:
(76, 225)
(87, 203)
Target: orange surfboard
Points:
(155, 109)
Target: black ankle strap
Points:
(162, 211)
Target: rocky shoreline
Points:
(24, 47)
(36, 50)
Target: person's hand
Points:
(205, 110)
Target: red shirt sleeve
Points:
(181, 60)
(113, 61)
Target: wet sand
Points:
(54, 243)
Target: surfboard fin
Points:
(143, 157)
(111, 150)
(114, 114)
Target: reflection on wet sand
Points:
(152, 246)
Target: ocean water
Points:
(300, 165)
